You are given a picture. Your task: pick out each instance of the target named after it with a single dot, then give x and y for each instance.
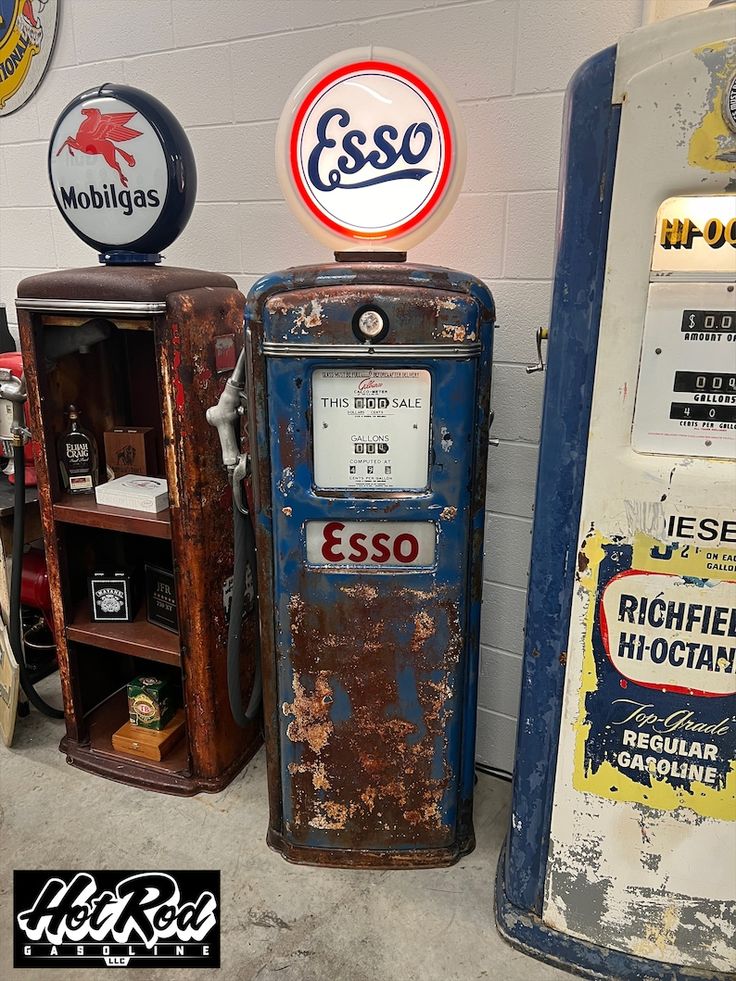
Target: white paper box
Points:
(134, 492)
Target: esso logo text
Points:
(371, 150)
(377, 544)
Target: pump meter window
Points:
(686, 396)
(371, 428)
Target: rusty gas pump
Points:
(366, 384)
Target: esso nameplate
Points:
(371, 428)
(686, 395)
(371, 544)
(370, 150)
(122, 170)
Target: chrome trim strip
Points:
(138, 307)
(287, 349)
(687, 276)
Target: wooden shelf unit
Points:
(152, 324)
(83, 509)
(139, 638)
(107, 717)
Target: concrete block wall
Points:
(225, 68)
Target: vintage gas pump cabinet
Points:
(621, 855)
(367, 384)
(369, 493)
(138, 346)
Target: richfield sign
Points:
(370, 151)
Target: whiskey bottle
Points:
(78, 458)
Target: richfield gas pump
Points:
(621, 853)
(366, 384)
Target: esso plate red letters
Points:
(371, 544)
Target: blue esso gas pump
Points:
(367, 390)
(621, 854)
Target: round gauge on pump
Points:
(122, 171)
(370, 151)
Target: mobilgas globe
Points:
(122, 171)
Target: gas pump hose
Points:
(245, 558)
(16, 643)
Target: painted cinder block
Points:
(523, 306)
(108, 29)
(502, 617)
(530, 235)
(495, 740)
(61, 85)
(499, 681)
(517, 402)
(556, 36)
(286, 243)
(507, 548)
(211, 240)
(513, 143)
(26, 180)
(235, 163)
(194, 83)
(512, 474)
(461, 58)
(471, 239)
(266, 69)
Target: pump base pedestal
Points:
(527, 933)
(359, 858)
(146, 776)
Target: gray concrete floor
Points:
(280, 922)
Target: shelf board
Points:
(83, 509)
(139, 638)
(107, 717)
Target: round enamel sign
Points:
(370, 151)
(122, 170)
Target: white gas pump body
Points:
(636, 864)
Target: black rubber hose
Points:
(245, 558)
(16, 642)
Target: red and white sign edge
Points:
(321, 228)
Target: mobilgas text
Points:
(108, 197)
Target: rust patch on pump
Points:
(317, 773)
(423, 629)
(361, 591)
(311, 723)
(308, 317)
(448, 513)
(368, 763)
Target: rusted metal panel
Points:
(369, 677)
(201, 521)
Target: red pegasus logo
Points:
(99, 133)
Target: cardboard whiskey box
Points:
(130, 449)
(150, 494)
(150, 702)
